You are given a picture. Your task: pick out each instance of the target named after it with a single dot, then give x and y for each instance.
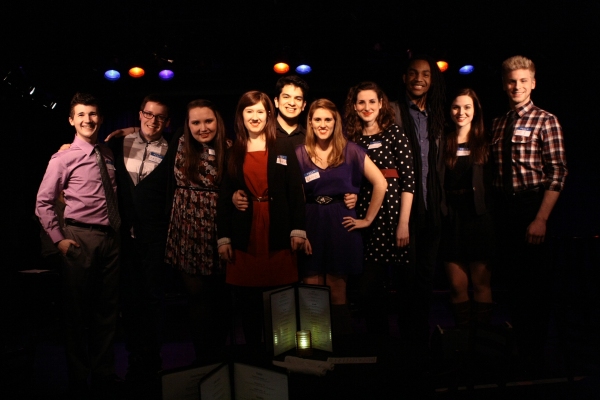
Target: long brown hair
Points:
(193, 149)
(354, 124)
(336, 157)
(240, 146)
(477, 140)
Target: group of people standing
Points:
(282, 204)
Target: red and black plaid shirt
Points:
(538, 152)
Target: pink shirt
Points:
(75, 172)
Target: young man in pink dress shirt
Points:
(89, 244)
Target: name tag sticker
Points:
(282, 160)
(211, 152)
(311, 175)
(374, 145)
(109, 165)
(523, 131)
(462, 152)
(155, 157)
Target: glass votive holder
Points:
(303, 343)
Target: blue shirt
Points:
(420, 119)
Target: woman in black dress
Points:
(370, 123)
(467, 239)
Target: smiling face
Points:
(203, 124)
(323, 124)
(290, 102)
(417, 79)
(367, 106)
(86, 121)
(462, 111)
(518, 85)
(255, 118)
(153, 127)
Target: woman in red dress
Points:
(259, 242)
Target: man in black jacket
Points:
(421, 114)
(142, 188)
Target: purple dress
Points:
(335, 250)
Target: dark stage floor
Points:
(34, 367)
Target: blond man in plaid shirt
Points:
(530, 170)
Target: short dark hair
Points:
(87, 100)
(155, 98)
(293, 80)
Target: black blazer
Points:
(286, 201)
(436, 165)
(144, 206)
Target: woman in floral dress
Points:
(198, 157)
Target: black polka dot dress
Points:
(389, 149)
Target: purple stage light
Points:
(166, 74)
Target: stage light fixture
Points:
(136, 72)
(112, 75)
(303, 69)
(166, 75)
(281, 68)
(442, 65)
(466, 69)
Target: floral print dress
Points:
(192, 236)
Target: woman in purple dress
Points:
(331, 167)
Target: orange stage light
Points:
(281, 68)
(442, 65)
(136, 72)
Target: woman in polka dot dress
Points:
(370, 123)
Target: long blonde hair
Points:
(336, 157)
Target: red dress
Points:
(259, 266)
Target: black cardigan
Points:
(481, 182)
(286, 201)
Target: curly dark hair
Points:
(354, 124)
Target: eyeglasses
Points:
(159, 118)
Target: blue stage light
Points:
(112, 75)
(466, 69)
(303, 69)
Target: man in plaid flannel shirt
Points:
(530, 170)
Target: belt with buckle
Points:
(322, 200)
(260, 199)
